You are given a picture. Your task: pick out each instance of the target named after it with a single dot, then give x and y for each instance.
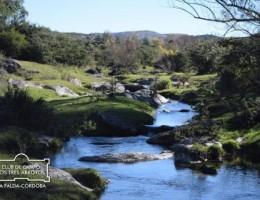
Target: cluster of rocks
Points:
(14, 67)
(146, 96)
(23, 84)
(106, 87)
(60, 90)
(184, 153)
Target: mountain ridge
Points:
(143, 34)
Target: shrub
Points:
(215, 152)
(55, 145)
(16, 140)
(231, 147)
(161, 85)
(26, 112)
(85, 126)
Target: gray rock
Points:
(120, 87)
(12, 66)
(115, 124)
(60, 174)
(22, 84)
(62, 90)
(45, 140)
(213, 143)
(166, 138)
(240, 139)
(100, 86)
(145, 95)
(184, 155)
(75, 81)
(127, 157)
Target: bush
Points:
(55, 145)
(26, 112)
(231, 147)
(215, 152)
(89, 178)
(16, 140)
(161, 85)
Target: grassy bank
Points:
(75, 113)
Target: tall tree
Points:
(121, 54)
(12, 13)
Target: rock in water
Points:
(127, 157)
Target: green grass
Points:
(48, 72)
(253, 135)
(89, 178)
(224, 135)
(53, 75)
(74, 111)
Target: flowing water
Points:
(157, 179)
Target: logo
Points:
(22, 168)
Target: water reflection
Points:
(157, 179)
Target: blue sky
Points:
(88, 16)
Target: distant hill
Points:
(140, 35)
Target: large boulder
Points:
(184, 155)
(116, 125)
(127, 157)
(166, 138)
(12, 66)
(59, 174)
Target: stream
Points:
(157, 179)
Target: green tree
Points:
(203, 56)
(12, 43)
(12, 13)
(239, 65)
(122, 54)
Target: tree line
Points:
(236, 60)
